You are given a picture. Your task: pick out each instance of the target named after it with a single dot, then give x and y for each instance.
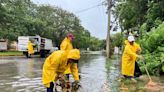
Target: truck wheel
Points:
(26, 54)
(42, 54)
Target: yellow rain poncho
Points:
(30, 48)
(56, 64)
(67, 46)
(135, 46)
(74, 54)
(128, 58)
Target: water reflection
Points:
(19, 74)
(24, 75)
(113, 74)
(93, 73)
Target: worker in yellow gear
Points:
(30, 48)
(67, 46)
(137, 50)
(67, 42)
(57, 63)
(129, 57)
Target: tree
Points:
(117, 39)
(147, 16)
(24, 18)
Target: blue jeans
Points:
(50, 89)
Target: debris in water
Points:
(152, 86)
(106, 88)
(122, 88)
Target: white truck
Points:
(43, 46)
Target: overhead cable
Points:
(83, 10)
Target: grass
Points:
(11, 53)
(133, 87)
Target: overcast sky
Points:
(94, 20)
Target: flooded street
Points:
(93, 72)
(19, 74)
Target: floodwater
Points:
(19, 74)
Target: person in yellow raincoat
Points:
(129, 57)
(30, 48)
(57, 63)
(67, 43)
(67, 46)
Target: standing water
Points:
(19, 74)
(93, 72)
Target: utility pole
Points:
(108, 42)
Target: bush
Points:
(153, 50)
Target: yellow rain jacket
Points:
(135, 46)
(30, 48)
(67, 46)
(56, 64)
(128, 58)
(74, 54)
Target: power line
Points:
(83, 10)
(102, 12)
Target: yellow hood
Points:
(74, 54)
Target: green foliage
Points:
(153, 50)
(155, 13)
(147, 15)
(117, 39)
(24, 18)
(143, 29)
(11, 53)
(153, 64)
(96, 44)
(163, 68)
(134, 13)
(131, 13)
(154, 39)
